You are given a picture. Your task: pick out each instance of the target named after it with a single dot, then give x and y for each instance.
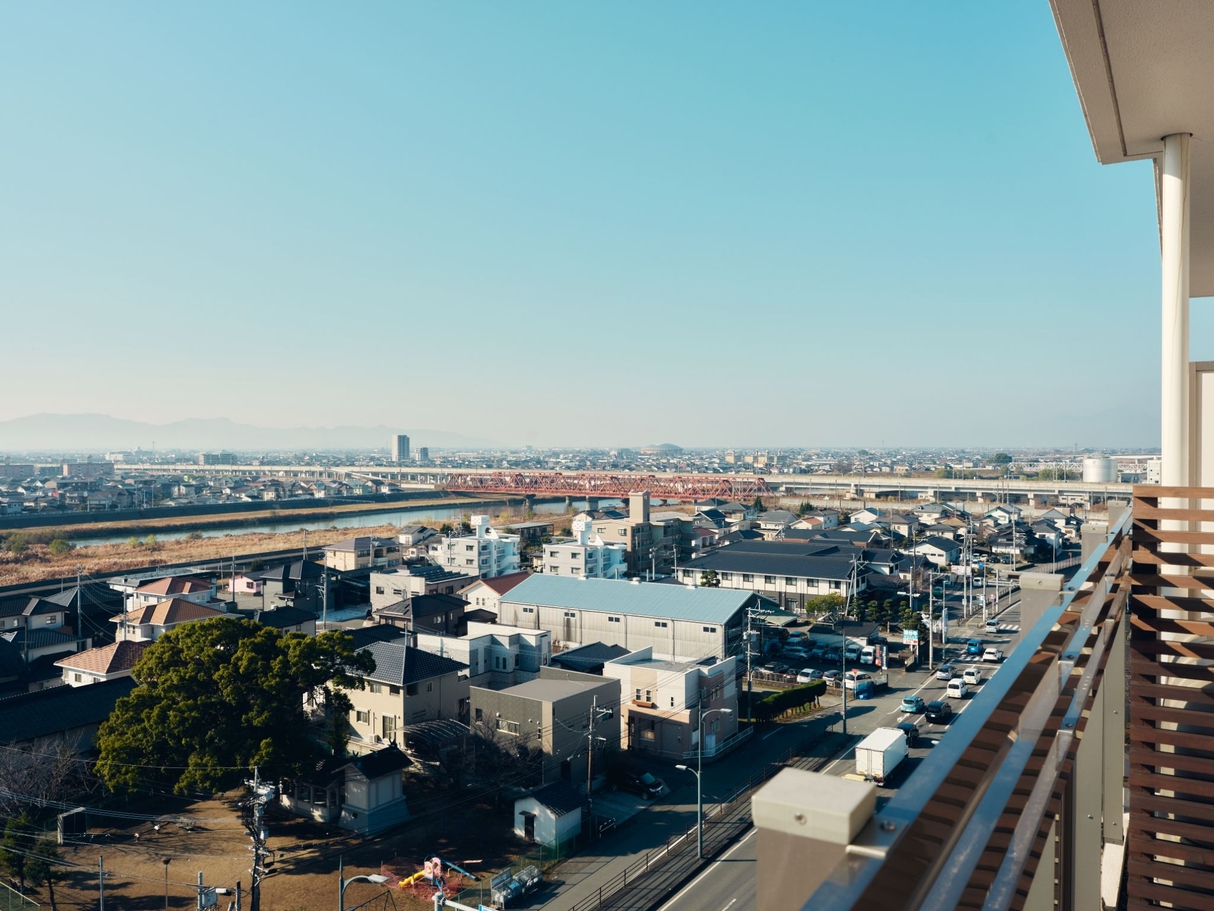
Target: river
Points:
(435, 515)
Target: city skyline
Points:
(816, 226)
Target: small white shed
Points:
(551, 814)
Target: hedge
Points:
(777, 704)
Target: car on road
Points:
(636, 781)
(972, 675)
(911, 730)
(938, 712)
(832, 678)
(993, 654)
(957, 689)
(913, 704)
(945, 672)
(973, 647)
(809, 675)
(992, 625)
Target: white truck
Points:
(879, 754)
(876, 676)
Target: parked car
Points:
(913, 704)
(809, 675)
(911, 730)
(635, 781)
(817, 654)
(945, 672)
(796, 652)
(938, 712)
(832, 678)
(993, 654)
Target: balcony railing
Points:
(1013, 807)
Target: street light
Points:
(377, 878)
(699, 784)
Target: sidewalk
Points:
(643, 841)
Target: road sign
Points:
(910, 637)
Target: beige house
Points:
(407, 686)
(151, 622)
(107, 662)
(362, 553)
(486, 593)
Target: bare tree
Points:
(43, 772)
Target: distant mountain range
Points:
(100, 432)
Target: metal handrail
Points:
(888, 866)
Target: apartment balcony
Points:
(1041, 795)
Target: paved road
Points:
(728, 884)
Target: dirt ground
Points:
(303, 872)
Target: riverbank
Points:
(39, 562)
(226, 519)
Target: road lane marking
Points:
(691, 885)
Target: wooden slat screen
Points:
(1171, 834)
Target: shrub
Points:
(17, 544)
(59, 547)
(777, 704)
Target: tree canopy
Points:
(218, 697)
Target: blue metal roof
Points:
(611, 596)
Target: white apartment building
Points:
(497, 656)
(588, 556)
(486, 551)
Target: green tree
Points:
(710, 579)
(14, 845)
(40, 868)
(59, 547)
(844, 517)
(805, 508)
(17, 544)
(217, 697)
(446, 529)
(757, 505)
(1000, 458)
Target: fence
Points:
(659, 872)
(12, 900)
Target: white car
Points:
(992, 654)
(972, 675)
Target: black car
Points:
(637, 782)
(911, 730)
(938, 712)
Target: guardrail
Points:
(1015, 803)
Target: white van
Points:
(972, 676)
(868, 654)
(992, 625)
(957, 689)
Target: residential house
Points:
(408, 685)
(287, 619)
(1002, 515)
(142, 593)
(415, 579)
(432, 613)
(662, 702)
(40, 631)
(415, 540)
(485, 593)
(554, 712)
(363, 794)
(678, 621)
(588, 555)
(366, 552)
(486, 552)
(943, 552)
(589, 658)
(106, 662)
(152, 621)
(496, 656)
(790, 572)
(820, 519)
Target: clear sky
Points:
(573, 224)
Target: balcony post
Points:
(1115, 720)
(1087, 801)
(1042, 888)
(805, 821)
(1174, 237)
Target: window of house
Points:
(672, 702)
(507, 727)
(769, 580)
(647, 736)
(362, 717)
(480, 715)
(725, 577)
(528, 610)
(410, 689)
(469, 547)
(393, 690)
(389, 726)
(790, 580)
(648, 696)
(570, 613)
(379, 589)
(660, 624)
(375, 687)
(555, 569)
(429, 687)
(623, 533)
(76, 678)
(710, 629)
(613, 619)
(748, 577)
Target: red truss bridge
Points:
(583, 484)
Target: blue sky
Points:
(573, 224)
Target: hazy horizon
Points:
(871, 225)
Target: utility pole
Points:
(254, 825)
(101, 881)
(324, 607)
(79, 622)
